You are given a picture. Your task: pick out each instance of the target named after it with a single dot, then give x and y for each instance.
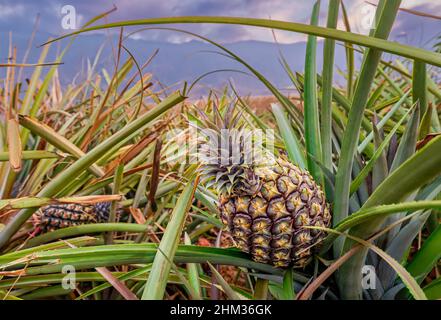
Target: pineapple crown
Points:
(224, 151)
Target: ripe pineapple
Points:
(264, 207)
(57, 216)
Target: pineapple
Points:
(264, 207)
(56, 216)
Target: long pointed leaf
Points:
(157, 281)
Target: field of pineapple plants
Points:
(120, 188)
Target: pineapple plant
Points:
(265, 205)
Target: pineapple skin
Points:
(269, 223)
(57, 216)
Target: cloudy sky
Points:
(18, 17)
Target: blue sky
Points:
(18, 17)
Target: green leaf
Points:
(419, 85)
(408, 141)
(380, 169)
(288, 285)
(157, 281)
(311, 113)
(378, 152)
(48, 292)
(77, 242)
(433, 290)
(261, 289)
(410, 175)
(292, 144)
(193, 273)
(382, 122)
(427, 257)
(349, 49)
(327, 75)
(6, 296)
(117, 182)
(426, 123)
(32, 155)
